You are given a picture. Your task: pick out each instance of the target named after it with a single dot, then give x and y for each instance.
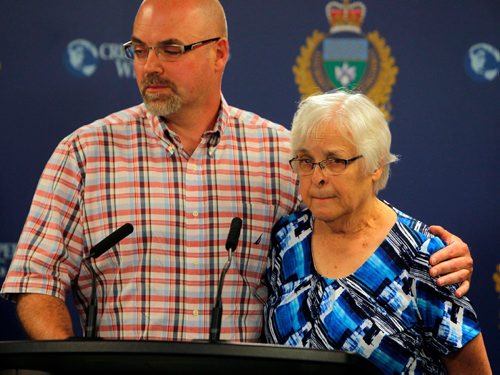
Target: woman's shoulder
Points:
(301, 215)
(295, 223)
(414, 233)
(410, 222)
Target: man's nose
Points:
(153, 63)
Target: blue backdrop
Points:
(443, 104)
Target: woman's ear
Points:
(377, 173)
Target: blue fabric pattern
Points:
(389, 311)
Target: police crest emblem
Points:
(347, 58)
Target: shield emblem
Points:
(345, 60)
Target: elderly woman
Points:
(350, 272)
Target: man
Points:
(178, 167)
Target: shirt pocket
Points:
(250, 256)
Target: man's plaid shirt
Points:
(159, 283)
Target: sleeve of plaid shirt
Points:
(49, 254)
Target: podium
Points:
(165, 357)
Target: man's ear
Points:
(222, 53)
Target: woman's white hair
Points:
(357, 119)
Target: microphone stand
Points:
(231, 244)
(215, 322)
(95, 252)
(90, 323)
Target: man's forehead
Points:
(163, 28)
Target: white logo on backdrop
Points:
(83, 57)
(482, 62)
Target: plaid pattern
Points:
(389, 310)
(159, 282)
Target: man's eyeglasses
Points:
(330, 166)
(165, 52)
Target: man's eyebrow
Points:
(166, 41)
(136, 40)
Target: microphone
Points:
(231, 244)
(95, 252)
(110, 241)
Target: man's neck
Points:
(190, 126)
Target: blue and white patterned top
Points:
(389, 311)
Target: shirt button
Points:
(195, 214)
(195, 312)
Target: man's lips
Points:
(155, 87)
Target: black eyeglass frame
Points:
(129, 52)
(322, 164)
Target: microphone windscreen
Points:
(234, 234)
(111, 240)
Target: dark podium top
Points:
(160, 357)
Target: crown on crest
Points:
(345, 16)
